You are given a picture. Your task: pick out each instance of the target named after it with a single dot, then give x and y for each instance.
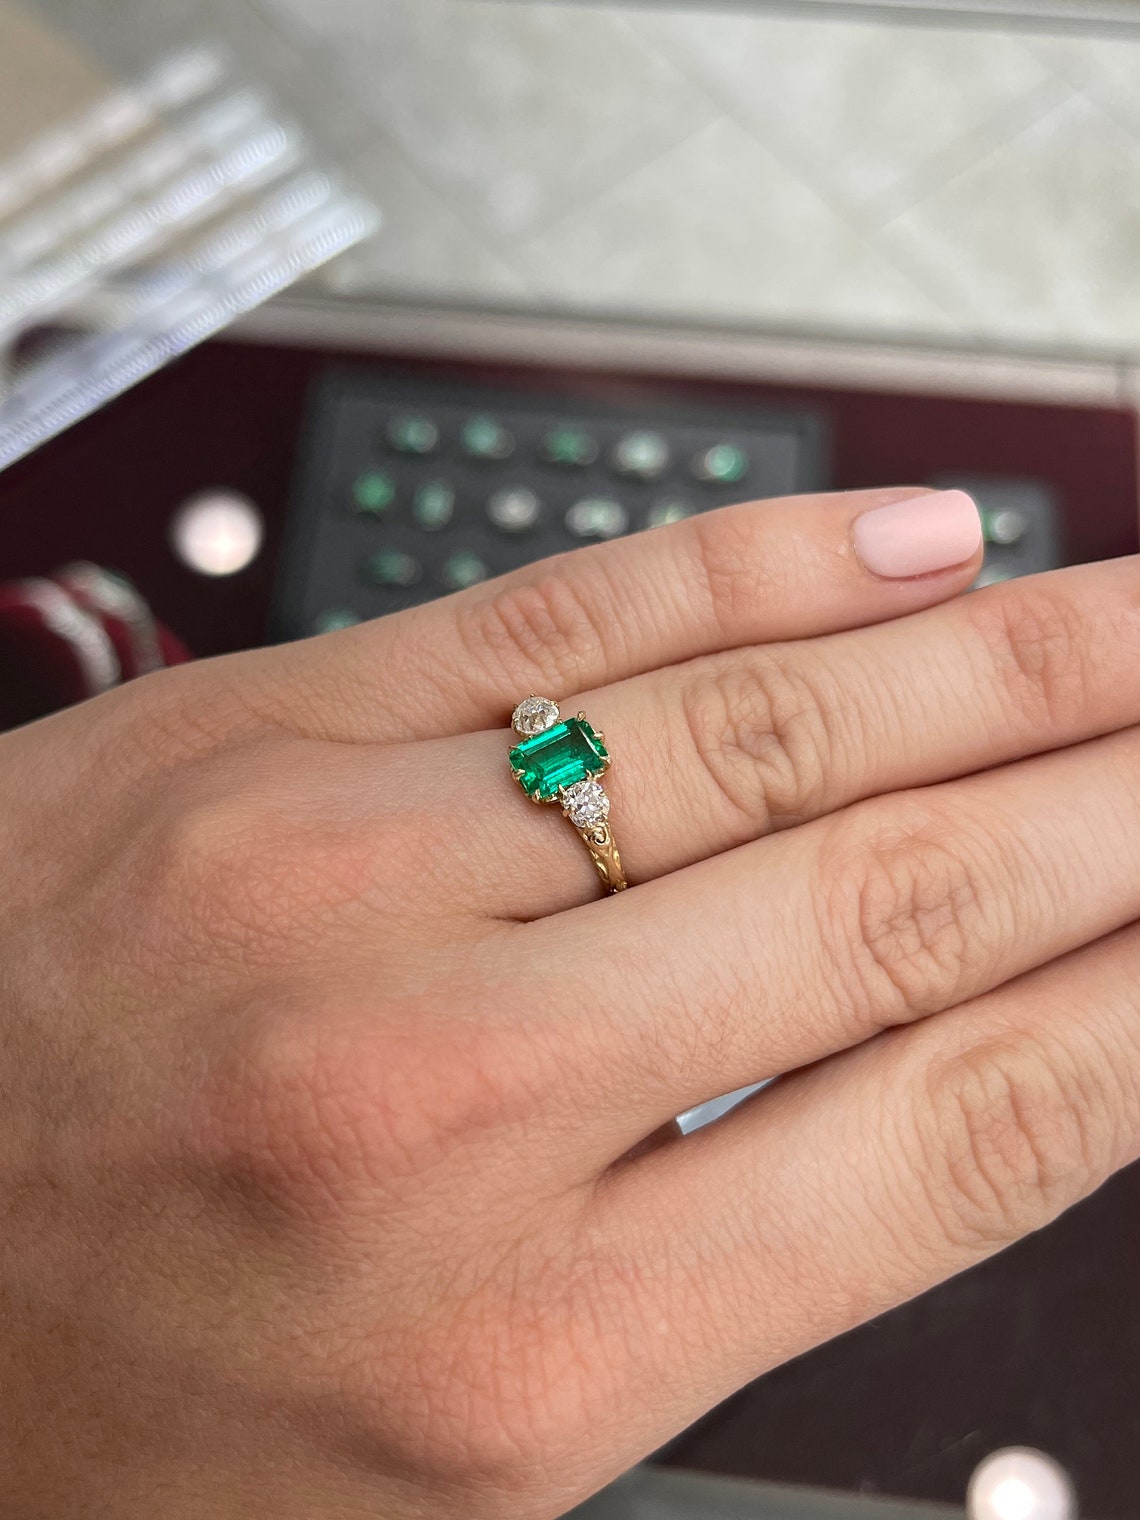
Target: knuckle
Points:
(762, 732)
(552, 629)
(497, 1402)
(725, 547)
(492, 1417)
(904, 911)
(1010, 1141)
(324, 1100)
(328, 1119)
(211, 865)
(241, 860)
(1041, 642)
(182, 713)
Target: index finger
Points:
(785, 569)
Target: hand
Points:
(335, 1145)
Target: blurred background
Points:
(314, 309)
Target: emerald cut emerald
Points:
(558, 757)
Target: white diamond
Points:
(534, 715)
(597, 517)
(513, 510)
(586, 804)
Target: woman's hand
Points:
(336, 1161)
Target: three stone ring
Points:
(559, 761)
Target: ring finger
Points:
(725, 749)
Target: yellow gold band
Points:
(604, 853)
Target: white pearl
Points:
(217, 533)
(1020, 1484)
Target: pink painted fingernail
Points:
(919, 536)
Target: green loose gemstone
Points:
(374, 492)
(392, 567)
(991, 575)
(484, 438)
(564, 754)
(433, 505)
(1006, 526)
(724, 463)
(463, 569)
(669, 510)
(413, 435)
(334, 619)
(570, 446)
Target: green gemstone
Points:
(433, 505)
(724, 463)
(1006, 526)
(564, 754)
(570, 446)
(484, 438)
(334, 620)
(669, 510)
(413, 435)
(392, 567)
(463, 569)
(374, 492)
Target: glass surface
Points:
(909, 172)
(808, 169)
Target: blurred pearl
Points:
(1020, 1484)
(217, 533)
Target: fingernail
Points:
(919, 536)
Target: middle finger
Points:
(790, 949)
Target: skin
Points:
(336, 1153)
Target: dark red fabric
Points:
(71, 636)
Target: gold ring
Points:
(560, 761)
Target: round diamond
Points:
(586, 804)
(534, 715)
